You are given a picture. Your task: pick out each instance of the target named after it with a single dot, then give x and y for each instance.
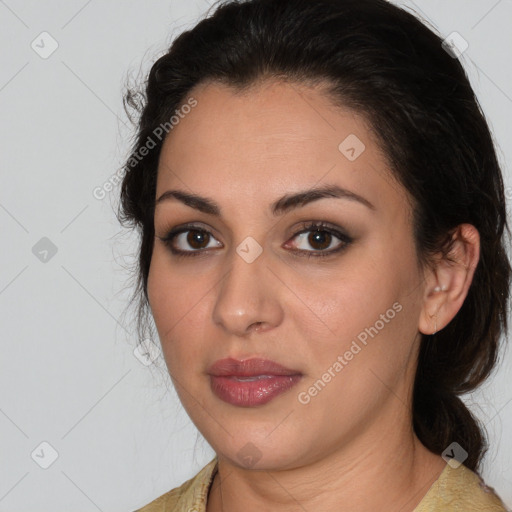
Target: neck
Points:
(368, 475)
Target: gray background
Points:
(68, 373)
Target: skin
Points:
(244, 151)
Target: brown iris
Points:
(319, 237)
(197, 238)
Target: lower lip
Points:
(249, 393)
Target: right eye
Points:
(190, 236)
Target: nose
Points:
(248, 297)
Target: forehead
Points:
(273, 113)
(272, 138)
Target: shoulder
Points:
(460, 489)
(191, 495)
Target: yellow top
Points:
(458, 489)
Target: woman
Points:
(323, 225)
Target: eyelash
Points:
(305, 228)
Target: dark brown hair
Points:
(384, 63)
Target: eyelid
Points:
(320, 225)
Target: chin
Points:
(254, 448)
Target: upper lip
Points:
(248, 368)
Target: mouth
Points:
(249, 368)
(250, 382)
(251, 379)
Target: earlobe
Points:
(448, 284)
(430, 318)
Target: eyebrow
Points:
(279, 207)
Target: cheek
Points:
(360, 349)
(179, 304)
(366, 302)
(171, 292)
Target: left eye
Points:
(321, 239)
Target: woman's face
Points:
(254, 286)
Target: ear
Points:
(447, 285)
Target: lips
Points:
(250, 382)
(249, 368)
